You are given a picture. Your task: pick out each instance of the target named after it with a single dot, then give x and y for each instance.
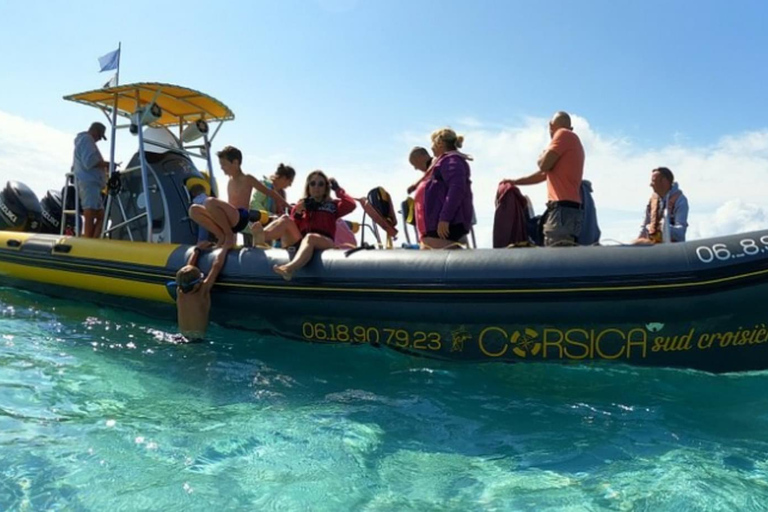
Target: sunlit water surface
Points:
(100, 411)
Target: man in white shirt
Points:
(91, 172)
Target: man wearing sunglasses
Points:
(193, 297)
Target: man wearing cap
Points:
(91, 174)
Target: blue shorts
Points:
(90, 196)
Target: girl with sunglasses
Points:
(312, 223)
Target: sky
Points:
(349, 86)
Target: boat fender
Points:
(409, 209)
(191, 182)
(260, 216)
(354, 227)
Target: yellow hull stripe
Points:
(122, 251)
(5, 236)
(89, 282)
(139, 253)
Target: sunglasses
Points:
(314, 183)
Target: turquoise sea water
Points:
(98, 410)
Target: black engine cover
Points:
(19, 208)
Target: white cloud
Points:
(725, 182)
(731, 217)
(33, 153)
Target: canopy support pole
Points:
(145, 183)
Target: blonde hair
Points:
(449, 138)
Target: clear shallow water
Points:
(99, 410)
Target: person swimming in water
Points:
(193, 298)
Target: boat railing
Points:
(158, 105)
(70, 183)
(127, 222)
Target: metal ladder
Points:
(71, 181)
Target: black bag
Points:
(381, 201)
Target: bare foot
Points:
(280, 269)
(257, 234)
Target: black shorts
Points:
(243, 222)
(456, 232)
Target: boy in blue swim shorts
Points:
(220, 218)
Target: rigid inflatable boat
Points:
(699, 304)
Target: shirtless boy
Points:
(225, 219)
(193, 298)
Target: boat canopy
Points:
(180, 105)
(160, 106)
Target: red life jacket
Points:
(323, 219)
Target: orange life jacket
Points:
(655, 211)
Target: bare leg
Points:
(200, 215)
(257, 232)
(307, 248)
(98, 222)
(285, 229)
(225, 216)
(88, 223)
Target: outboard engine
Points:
(19, 208)
(51, 206)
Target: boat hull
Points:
(699, 305)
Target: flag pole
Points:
(119, 52)
(114, 114)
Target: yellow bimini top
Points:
(179, 105)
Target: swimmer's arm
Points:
(193, 257)
(218, 264)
